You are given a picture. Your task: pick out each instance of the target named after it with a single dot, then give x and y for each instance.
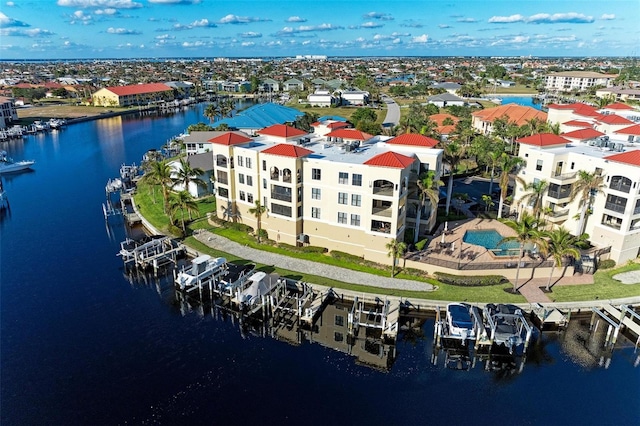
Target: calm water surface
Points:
(82, 345)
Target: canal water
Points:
(81, 343)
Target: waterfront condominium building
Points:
(613, 219)
(345, 190)
(567, 81)
(136, 94)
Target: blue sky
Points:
(76, 29)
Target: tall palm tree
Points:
(560, 244)
(396, 248)
(187, 174)
(258, 211)
(159, 173)
(428, 189)
(212, 111)
(180, 202)
(506, 163)
(453, 154)
(533, 197)
(586, 188)
(528, 230)
(535, 125)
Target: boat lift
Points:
(617, 319)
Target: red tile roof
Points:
(629, 157)
(338, 125)
(582, 134)
(517, 114)
(544, 139)
(631, 130)
(618, 106)
(413, 139)
(439, 118)
(577, 123)
(139, 89)
(349, 134)
(390, 159)
(445, 130)
(614, 119)
(288, 150)
(230, 138)
(281, 130)
(577, 108)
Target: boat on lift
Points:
(459, 321)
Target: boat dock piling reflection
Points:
(617, 319)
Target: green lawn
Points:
(604, 287)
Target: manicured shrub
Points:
(420, 244)
(607, 264)
(305, 249)
(470, 280)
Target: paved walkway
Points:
(531, 290)
(307, 266)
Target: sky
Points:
(86, 29)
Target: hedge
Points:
(305, 249)
(470, 280)
(607, 264)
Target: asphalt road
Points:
(393, 112)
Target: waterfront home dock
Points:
(617, 318)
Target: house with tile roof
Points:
(132, 95)
(325, 190)
(483, 120)
(614, 222)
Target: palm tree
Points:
(535, 125)
(428, 189)
(536, 189)
(506, 163)
(258, 211)
(560, 244)
(396, 248)
(453, 154)
(159, 173)
(527, 231)
(212, 111)
(488, 202)
(586, 188)
(187, 174)
(182, 201)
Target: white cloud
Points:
(296, 19)
(10, 4)
(107, 11)
(379, 16)
(22, 32)
(81, 17)
(420, 39)
(506, 19)
(247, 44)
(250, 34)
(122, 31)
(608, 17)
(444, 26)
(165, 37)
(572, 17)
(117, 4)
(5, 21)
(467, 20)
(235, 19)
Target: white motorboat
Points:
(459, 321)
(204, 268)
(7, 165)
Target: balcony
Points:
(563, 177)
(619, 186)
(618, 208)
(382, 211)
(221, 163)
(612, 224)
(378, 226)
(386, 190)
(559, 194)
(558, 216)
(281, 196)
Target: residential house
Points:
(483, 120)
(137, 94)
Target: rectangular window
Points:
(342, 217)
(264, 165)
(315, 174)
(573, 165)
(343, 178)
(539, 165)
(355, 220)
(243, 196)
(316, 193)
(223, 192)
(339, 321)
(240, 161)
(356, 179)
(342, 197)
(248, 162)
(338, 337)
(241, 177)
(250, 180)
(356, 200)
(264, 183)
(315, 212)
(250, 198)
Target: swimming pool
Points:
(490, 239)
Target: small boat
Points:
(7, 165)
(507, 325)
(258, 288)
(459, 321)
(204, 268)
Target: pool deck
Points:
(452, 248)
